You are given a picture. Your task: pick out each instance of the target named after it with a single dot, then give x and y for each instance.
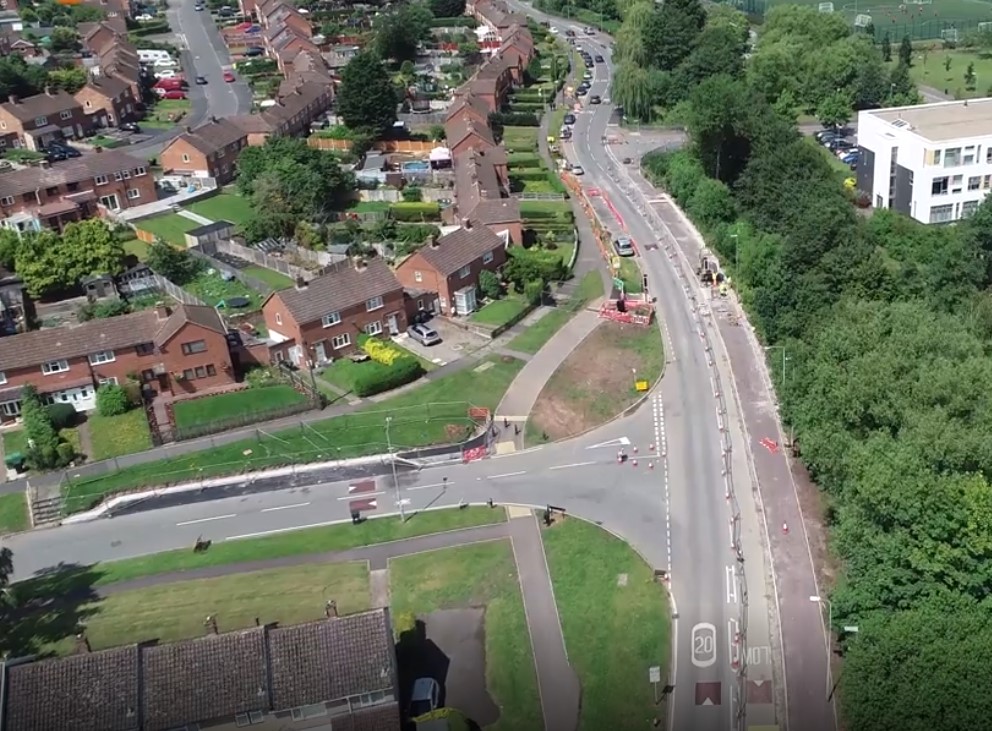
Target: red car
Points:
(228, 76)
(174, 94)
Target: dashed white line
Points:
(662, 451)
(284, 507)
(207, 520)
(360, 495)
(505, 474)
(567, 466)
(449, 483)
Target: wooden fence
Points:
(401, 146)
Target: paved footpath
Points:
(557, 682)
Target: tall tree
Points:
(671, 32)
(446, 8)
(48, 262)
(886, 48)
(398, 34)
(906, 51)
(367, 100)
(835, 110)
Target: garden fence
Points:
(157, 283)
(249, 281)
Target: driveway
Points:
(455, 343)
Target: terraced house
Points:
(337, 672)
(172, 351)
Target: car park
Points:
(424, 334)
(595, 99)
(624, 246)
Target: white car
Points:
(144, 18)
(553, 30)
(577, 170)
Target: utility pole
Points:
(392, 462)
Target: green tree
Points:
(10, 242)
(366, 99)
(969, 76)
(50, 263)
(17, 78)
(719, 49)
(906, 51)
(176, 265)
(69, 80)
(902, 90)
(45, 449)
(112, 400)
(671, 33)
(446, 8)
(489, 285)
(398, 34)
(835, 110)
(886, 48)
(634, 91)
(64, 40)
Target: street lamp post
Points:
(737, 254)
(392, 462)
(830, 623)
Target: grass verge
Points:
(597, 615)
(228, 407)
(171, 227)
(534, 337)
(13, 513)
(469, 576)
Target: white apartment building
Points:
(932, 162)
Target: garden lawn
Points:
(136, 248)
(14, 513)
(165, 113)
(276, 280)
(520, 139)
(501, 311)
(433, 413)
(630, 273)
(170, 227)
(112, 436)
(370, 207)
(534, 337)
(223, 207)
(537, 208)
(14, 440)
(467, 576)
(213, 289)
(597, 618)
(175, 611)
(233, 407)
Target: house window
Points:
(969, 155)
(936, 157)
(40, 121)
(939, 186)
(3, 378)
(464, 272)
(201, 372)
(373, 328)
(373, 304)
(101, 180)
(317, 710)
(54, 366)
(126, 174)
(7, 200)
(941, 214)
(975, 183)
(331, 319)
(65, 115)
(341, 341)
(952, 157)
(248, 719)
(133, 194)
(139, 171)
(10, 408)
(418, 277)
(194, 346)
(956, 182)
(185, 157)
(211, 371)
(118, 176)
(144, 348)
(488, 257)
(968, 208)
(104, 356)
(111, 381)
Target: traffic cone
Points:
(634, 462)
(785, 528)
(650, 465)
(651, 447)
(635, 450)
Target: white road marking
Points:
(276, 531)
(567, 466)
(505, 474)
(284, 507)
(703, 645)
(621, 442)
(731, 586)
(207, 520)
(734, 649)
(360, 495)
(449, 483)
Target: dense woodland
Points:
(887, 325)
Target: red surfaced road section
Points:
(359, 506)
(708, 694)
(359, 487)
(759, 691)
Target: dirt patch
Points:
(596, 381)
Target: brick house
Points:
(209, 151)
(42, 118)
(108, 101)
(323, 318)
(12, 43)
(337, 670)
(467, 107)
(178, 351)
(73, 190)
(463, 134)
(451, 265)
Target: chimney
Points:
(189, 130)
(213, 119)
(435, 240)
(82, 644)
(48, 90)
(211, 624)
(162, 312)
(331, 609)
(301, 283)
(467, 224)
(13, 99)
(360, 265)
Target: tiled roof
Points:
(502, 210)
(292, 104)
(341, 287)
(460, 248)
(74, 170)
(47, 104)
(252, 123)
(213, 135)
(494, 68)
(468, 105)
(113, 333)
(92, 692)
(319, 660)
(108, 86)
(476, 178)
(458, 128)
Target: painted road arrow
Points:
(759, 691)
(708, 694)
(364, 486)
(357, 506)
(621, 442)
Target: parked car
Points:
(174, 94)
(64, 149)
(254, 51)
(175, 82)
(424, 698)
(201, 80)
(599, 59)
(585, 85)
(424, 335)
(228, 76)
(130, 127)
(53, 154)
(582, 91)
(595, 99)
(624, 246)
(569, 118)
(851, 158)
(586, 75)
(144, 18)
(554, 31)
(577, 170)
(198, 7)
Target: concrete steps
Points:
(45, 511)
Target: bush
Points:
(43, 452)
(505, 119)
(102, 310)
(65, 453)
(374, 377)
(415, 212)
(112, 400)
(260, 378)
(404, 622)
(380, 351)
(412, 194)
(489, 284)
(61, 415)
(533, 289)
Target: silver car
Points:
(424, 335)
(624, 246)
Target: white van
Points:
(149, 55)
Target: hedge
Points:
(461, 21)
(415, 212)
(528, 173)
(386, 369)
(152, 29)
(539, 215)
(503, 119)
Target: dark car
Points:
(581, 91)
(569, 119)
(201, 80)
(585, 85)
(594, 99)
(55, 155)
(65, 150)
(254, 51)
(600, 59)
(130, 127)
